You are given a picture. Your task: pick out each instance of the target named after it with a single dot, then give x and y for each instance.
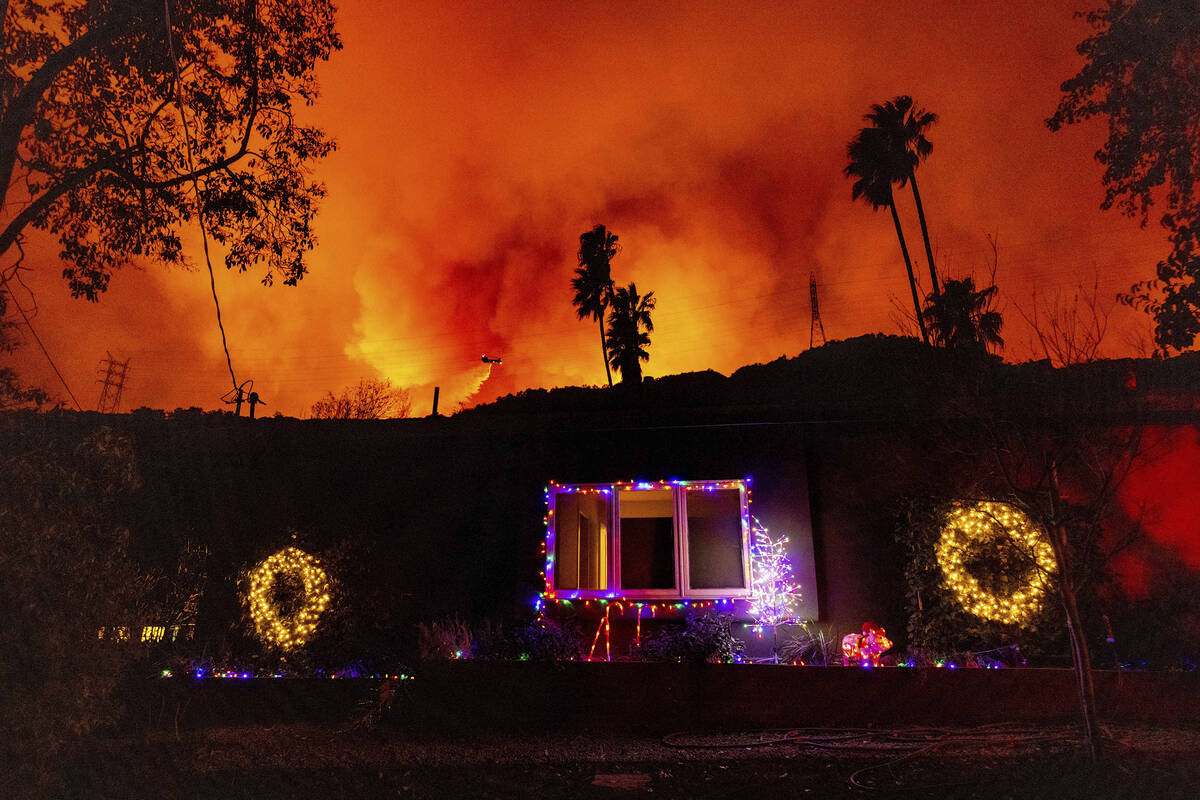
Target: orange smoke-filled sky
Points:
(477, 141)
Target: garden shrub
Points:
(547, 640)
(444, 640)
(65, 576)
(702, 638)
(810, 644)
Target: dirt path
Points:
(306, 761)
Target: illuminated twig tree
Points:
(774, 593)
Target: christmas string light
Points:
(981, 523)
(607, 489)
(608, 599)
(605, 627)
(287, 631)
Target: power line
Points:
(45, 352)
(187, 137)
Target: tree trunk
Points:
(925, 234)
(1080, 653)
(912, 279)
(604, 351)
(631, 372)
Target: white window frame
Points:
(682, 589)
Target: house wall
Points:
(425, 519)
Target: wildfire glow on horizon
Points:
(476, 142)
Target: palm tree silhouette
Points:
(961, 317)
(593, 283)
(629, 325)
(873, 165)
(904, 126)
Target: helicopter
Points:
(487, 360)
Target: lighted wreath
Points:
(287, 594)
(996, 525)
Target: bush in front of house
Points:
(811, 645)
(537, 639)
(703, 637)
(72, 598)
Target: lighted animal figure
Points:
(865, 648)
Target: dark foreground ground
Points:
(326, 762)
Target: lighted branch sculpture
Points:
(774, 593)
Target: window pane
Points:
(581, 541)
(715, 539)
(647, 539)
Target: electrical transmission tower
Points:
(816, 312)
(114, 373)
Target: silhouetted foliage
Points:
(874, 165)
(1070, 332)
(370, 398)
(903, 125)
(629, 326)
(961, 317)
(93, 150)
(12, 393)
(702, 638)
(593, 282)
(64, 576)
(1140, 74)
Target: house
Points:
(429, 518)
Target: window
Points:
(647, 531)
(648, 540)
(582, 554)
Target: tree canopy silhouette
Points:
(874, 163)
(961, 317)
(629, 327)
(370, 398)
(14, 394)
(903, 125)
(593, 282)
(94, 149)
(1140, 74)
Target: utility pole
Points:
(816, 312)
(114, 373)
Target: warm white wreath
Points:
(979, 521)
(291, 630)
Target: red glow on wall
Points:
(1164, 492)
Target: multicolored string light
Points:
(292, 630)
(565, 597)
(607, 599)
(981, 523)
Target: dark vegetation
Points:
(1139, 76)
(93, 148)
(66, 575)
(624, 341)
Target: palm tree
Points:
(961, 317)
(629, 325)
(872, 166)
(593, 283)
(904, 125)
